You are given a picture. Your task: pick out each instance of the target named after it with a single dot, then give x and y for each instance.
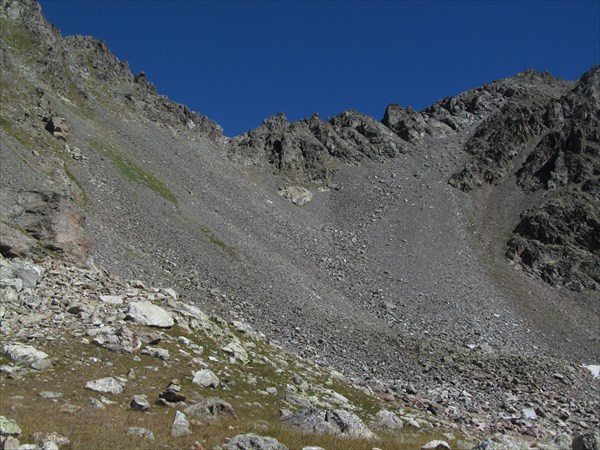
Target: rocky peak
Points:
(307, 150)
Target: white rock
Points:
(206, 378)
(149, 314)
(180, 426)
(436, 445)
(595, 369)
(22, 353)
(107, 385)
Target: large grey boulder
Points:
(146, 313)
(251, 441)
(206, 378)
(26, 354)
(331, 421)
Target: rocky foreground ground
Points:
(84, 350)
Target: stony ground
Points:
(386, 272)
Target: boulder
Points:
(389, 420)
(436, 445)
(238, 352)
(206, 378)
(121, 340)
(9, 427)
(210, 408)
(106, 385)
(251, 441)
(26, 354)
(139, 403)
(180, 426)
(141, 432)
(29, 274)
(146, 313)
(111, 299)
(298, 195)
(160, 353)
(58, 127)
(331, 421)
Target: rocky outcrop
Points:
(35, 223)
(308, 150)
(550, 143)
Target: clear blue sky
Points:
(239, 62)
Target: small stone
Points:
(96, 404)
(139, 403)
(49, 394)
(141, 432)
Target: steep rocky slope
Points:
(549, 144)
(387, 272)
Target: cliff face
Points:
(549, 144)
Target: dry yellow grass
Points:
(105, 429)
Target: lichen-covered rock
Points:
(9, 427)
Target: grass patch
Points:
(84, 197)
(135, 173)
(18, 38)
(210, 237)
